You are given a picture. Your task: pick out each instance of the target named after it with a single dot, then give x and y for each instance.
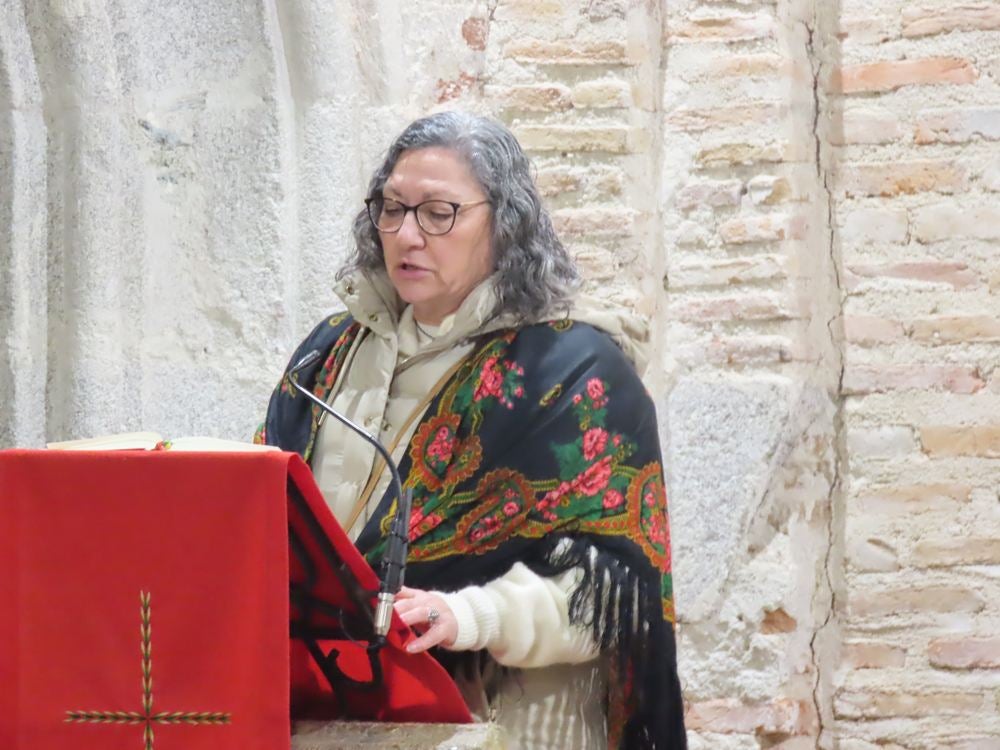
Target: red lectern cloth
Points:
(122, 563)
(147, 592)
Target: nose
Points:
(410, 232)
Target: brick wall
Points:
(579, 84)
(917, 163)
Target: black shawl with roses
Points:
(544, 434)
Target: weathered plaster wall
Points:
(796, 193)
(182, 178)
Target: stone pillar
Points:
(754, 362)
(24, 230)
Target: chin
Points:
(407, 291)
(412, 294)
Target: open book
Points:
(152, 441)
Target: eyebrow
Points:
(427, 195)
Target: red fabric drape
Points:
(148, 593)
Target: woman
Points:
(539, 537)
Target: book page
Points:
(154, 441)
(214, 445)
(124, 441)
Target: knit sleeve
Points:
(522, 619)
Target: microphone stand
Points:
(394, 559)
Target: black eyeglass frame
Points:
(455, 207)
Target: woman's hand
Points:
(415, 608)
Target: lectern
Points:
(157, 599)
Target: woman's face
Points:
(434, 273)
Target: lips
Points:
(407, 272)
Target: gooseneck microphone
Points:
(394, 560)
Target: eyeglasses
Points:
(434, 217)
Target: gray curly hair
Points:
(535, 275)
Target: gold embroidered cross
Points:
(146, 717)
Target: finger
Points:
(414, 616)
(431, 638)
(406, 605)
(405, 592)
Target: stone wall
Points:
(798, 194)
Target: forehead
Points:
(432, 172)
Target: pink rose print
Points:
(551, 499)
(417, 519)
(594, 441)
(595, 388)
(490, 381)
(595, 478)
(442, 446)
(559, 492)
(543, 505)
(612, 499)
(657, 532)
(577, 398)
(510, 509)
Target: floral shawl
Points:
(544, 434)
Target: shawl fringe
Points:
(622, 609)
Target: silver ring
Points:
(432, 615)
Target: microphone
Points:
(394, 560)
